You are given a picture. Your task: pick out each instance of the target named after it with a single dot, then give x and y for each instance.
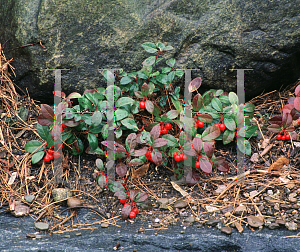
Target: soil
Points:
(273, 197)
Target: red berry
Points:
(142, 105)
(126, 204)
(283, 138)
(278, 137)
(61, 129)
(299, 122)
(184, 157)
(177, 158)
(197, 165)
(56, 154)
(164, 131)
(148, 154)
(132, 215)
(47, 158)
(135, 210)
(222, 127)
(52, 147)
(63, 125)
(206, 173)
(123, 201)
(235, 133)
(200, 124)
(168, 126)
(175, 154)
(288, 136)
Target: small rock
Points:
(254, 221)
(104, 225)
(220, 189)
(240, 209)
(212, 209)
(78, 234)
(238, 226)
(163, 202)
(180, 204)
(21, 210)
(41, 226)
(156, 225)
(252, 193)
(219, 225)
(273, 226)
(276, 207)
(212, 222)
(59, 194)
(194, 208)
(246, 195)
(227, 209)
(226, 230)
(157, 220)
(190, 219)
(292, 226)
(290, 186)
(293, 200)
(73, 202)
(29, 198)
(29, 235)
(270, 192)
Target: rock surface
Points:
(213, 36)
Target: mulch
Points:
(259, 198)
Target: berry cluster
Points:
(50, 153)
(133, 213)
(284, 137)
(164, 128)
(179, 157)
(221, 126)
(148, 155)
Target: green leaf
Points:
(78, 148)
(43, 131)
(96, 118)
(171, 62)
(99, 164)
(249, 108)
(108, 76)
(102, 181)
(149, 47)
(32, 145)
(177, 104)
(229, 123)
(163, 101)
(120, 114)
(36, 157)
(233, 98)
(250, 130)
(130, 124)
(118, 133)
(172, 114)
(69, 113)
(125, 80)
(182, 138)
(171, 76)
(93, 140)
(228, 136)
(224, 99)
(85, 103)
(166, 69)
(73, 95)
(244, 146)
(216, 104)
(179, 73)
(149, 61)
(211, 133)
(115, 187)
(161, 46)
(172, 141)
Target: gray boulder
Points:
(212, 36)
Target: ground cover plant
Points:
(172, 160)
(162, 140)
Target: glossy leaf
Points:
(205, 165)
(171, 62)
(125, 80)
(228, 136)
(156, 157)
(116, 186)
(130, 124)
(149, 61)
(99, 164)
(43, 131)
(233, 98)
(195, 84)
(123, 101)
(197, 102)
(102, 181)
(221, 164)
(216, 104)
(155, 132)
(159, 142)
(149, 106)
(211, 133)
(121, 169)
(93, 141)
(130, 141)
(192, 178)
(36, 157)
(172, 141)
(197, 143)
(149, 47)
(229, 123)
(172, 114)
(96, 118)
(244, 146)
(209, 148)
(274, 128)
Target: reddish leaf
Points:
(209, 148)
(141, 197)
(297, 103)
(114, 146)
(195, 84)
(55, 132)
(294, 135)
(155, 132)
(159, 142)
(138, 94)
(145, 89)
(125, 212)
(190, 152)
(156, 157)
(276, 120)
(197, 143)
(192, 178)
(90, 91)
(121, 169)
(221, 164)
(149, 106)
(44, 121)
(287, 120)
(297, 90)
(71, 123)
(290, 100)
(205, 165)
(211, 133)
(140, 152)
(133, 193)
(197, 102)
(121, 195)
(206, 118)
(274, 128)
(288, 107)
(131, 141)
